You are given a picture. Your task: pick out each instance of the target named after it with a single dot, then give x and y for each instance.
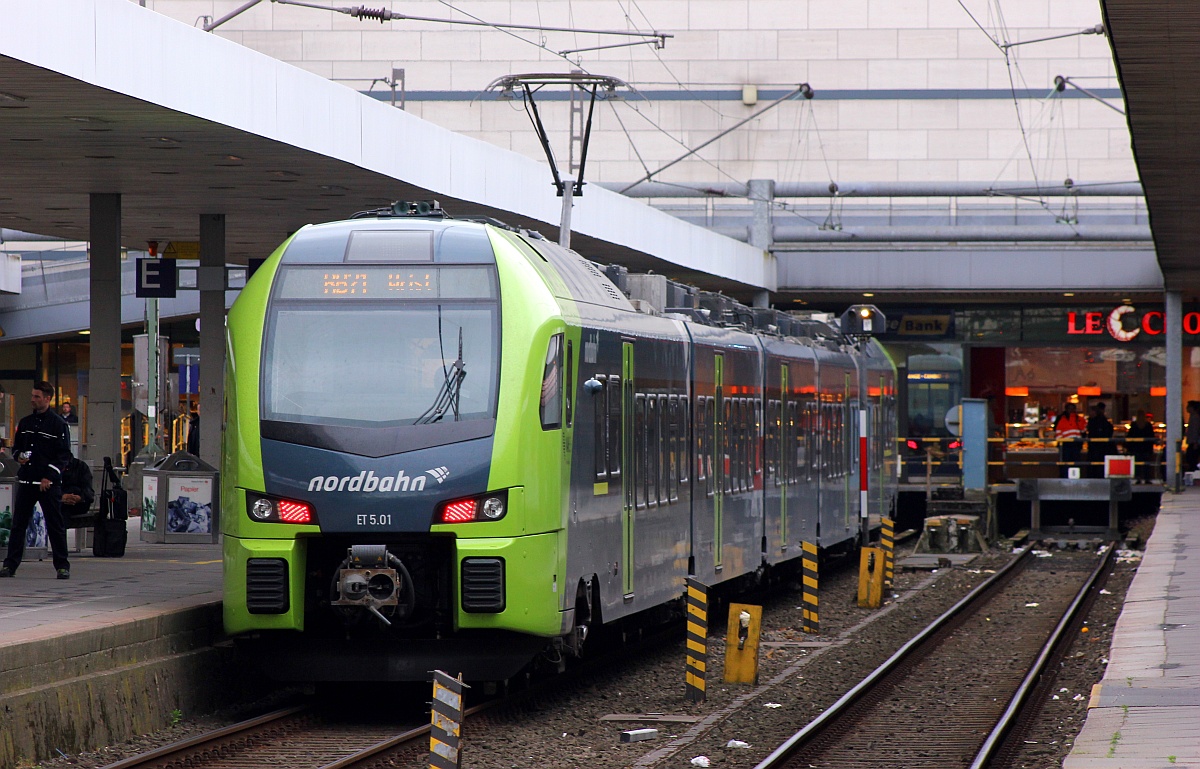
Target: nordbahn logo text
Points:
(368, 482)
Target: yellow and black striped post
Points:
(697, 639)
(887, 540)
(812, 621)
(445, 736)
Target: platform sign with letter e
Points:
(156, 279)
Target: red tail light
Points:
(294, 512)
(461, 511)
(955, 445)
(913, 445)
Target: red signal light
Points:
(955, 445)
(461, 511)
(294, 512)
(913, 445)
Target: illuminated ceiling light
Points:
(85, 332)
(1069, 293)
(867, 293)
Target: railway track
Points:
(300, 736)
(949, 696)
(308, 737)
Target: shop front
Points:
(1033, 364)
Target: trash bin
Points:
(180, 495)
(36, 543)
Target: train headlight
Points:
(493, 508)
(262, 509)
(485, 507)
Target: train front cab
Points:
(456, 569)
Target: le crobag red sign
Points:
(1125, 324)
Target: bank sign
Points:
(1125, 323)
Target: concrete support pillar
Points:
(104, 370)
(1174, 416)
(762, 196)
(211, 282)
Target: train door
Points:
(783, 469)
(720, 454)
(628, 478)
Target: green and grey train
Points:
(453, 445)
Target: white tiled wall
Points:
(904, 47)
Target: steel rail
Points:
(176, 750)
(1020, 698)
(398, 741)
(797, 740)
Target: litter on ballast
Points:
(701, 761)
(772, 705)
(737, 744)
(1032, 605)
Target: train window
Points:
(551, 398)
(709, 432)
(743, 444)
(612, 405)
(682, 421)
(390, 246)
(568, 386)
(770, 465)
(639, 479)
(811, 450)
(600, 423)
(726, 452)
(701, 440)
(653, 451)
(756, 463)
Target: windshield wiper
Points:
(447, 396)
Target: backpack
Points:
(111, 535)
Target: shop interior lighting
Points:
(1158, 392)
(1087, 391)
(1017, 392)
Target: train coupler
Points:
(372, 579)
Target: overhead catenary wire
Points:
(801, 90)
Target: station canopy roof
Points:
(103, 96)
(1156, 45)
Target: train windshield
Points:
(380, 363)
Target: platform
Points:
(113, 652)
(102, 592)
(1146, 711)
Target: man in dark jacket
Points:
(77, 491)
(43, 447)
(1099, 435)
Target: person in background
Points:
(193, 436)
(68, 414)
(1099, 434)
(1068, 431)
(43, 447)
(1191, 454)
(1140, 440)
(78, 493)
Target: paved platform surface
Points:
(149, 580)
(1146, 712)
